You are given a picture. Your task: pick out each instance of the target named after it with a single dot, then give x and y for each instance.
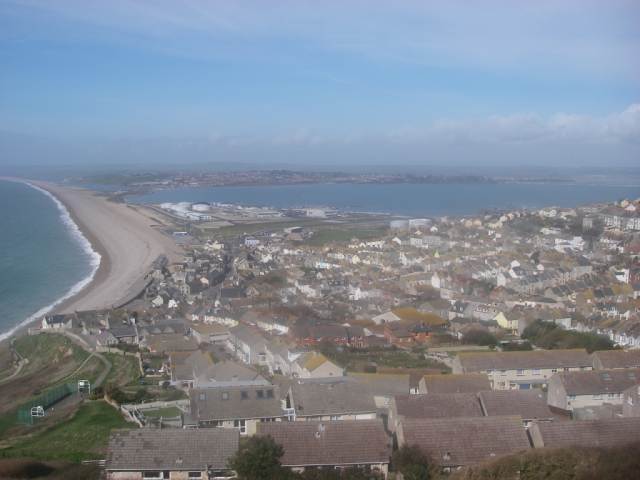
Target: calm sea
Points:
(404, 199)
(43, 257)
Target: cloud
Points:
(622, 127)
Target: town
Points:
(445, 343)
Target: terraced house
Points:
(571, 390)
(522, 370)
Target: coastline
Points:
(119, 240)
(92, 249)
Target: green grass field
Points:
(125, 369)
(82, 437)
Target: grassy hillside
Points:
(83, 436)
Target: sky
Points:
(306, 82)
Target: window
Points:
(152, 475)
(519, 372)
(203, 396)
(225, 395)
(335, 417)
(244, 395)
(536, 371)
(242, 425)
(194, 475)
(269, 393)
(260, 393)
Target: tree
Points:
(480, 337)
(412, 463)
(259, 459)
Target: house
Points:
(315, 365)
(57, 322)
(321, 400)
(228, 373)
(197, 370)
(170, 453)
(631, 402)
(382, 386)
(460, 442)
(585, 433)
(247, 345)
(239, 407)
(186, 366)
(213, 333)
(455, 383)
(529, 405)
(332, 444)
(433, 405)
(521, 370)
(125, 333)
(570, 390)
(610, 359)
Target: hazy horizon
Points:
(416, 84)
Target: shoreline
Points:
(97, 260)
(107, 233)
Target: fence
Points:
(48, 398)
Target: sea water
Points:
(44, 258)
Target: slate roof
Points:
(383, 384)
(438, 405)
(330, 443)
(618, 358)
(171, 449)
(313, 398)
(481, 361)
(599, 381)
(586, 433)
(529, 404)
(453, 442)
(230, 403)
(459, 383)
(229, 371)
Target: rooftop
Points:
(241, 402)
(460, 383)
(586, 433)
(438, 405)
(599, 381)
(171, 449)
(330, 443)
(480, 361)
(529, 404)
(453, 442)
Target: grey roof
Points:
(229, 371)
(330, 443)
(586, 433)
(230, 403)
(480, 361)
(312, 398)
(383, 384)
(599, 381)
(618, 358)
(438, 405)
(123, 331)
(459, 383)
(171, 449)
(529, 404)
(452, 442)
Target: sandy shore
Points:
(123, 236)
